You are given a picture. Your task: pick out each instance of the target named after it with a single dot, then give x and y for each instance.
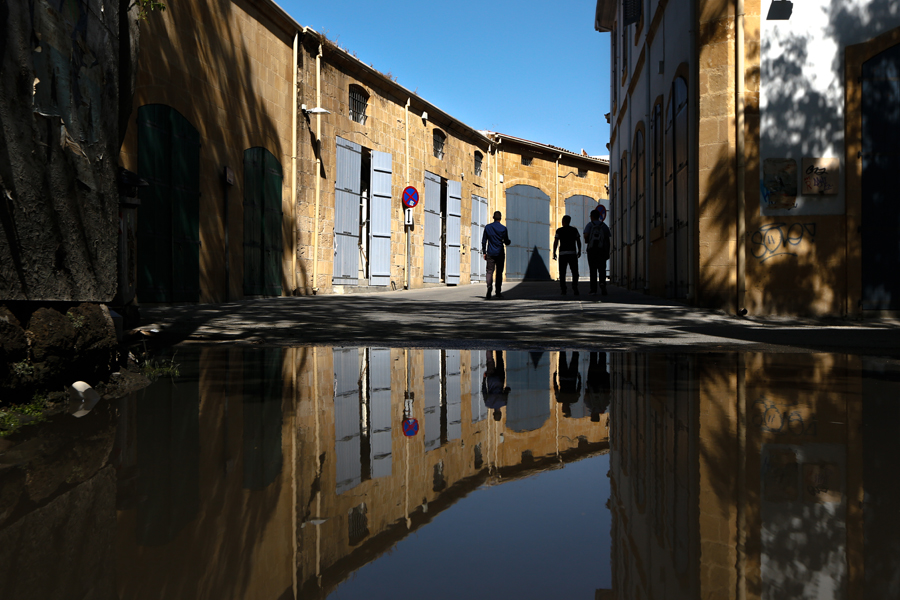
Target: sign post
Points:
(410, 199)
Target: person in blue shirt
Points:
(493, 384)
(492, 248)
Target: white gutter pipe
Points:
(318, 171)
(294, 173)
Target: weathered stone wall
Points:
(55, 349)
(58, 143)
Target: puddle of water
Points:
(396, 473)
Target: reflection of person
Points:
(596, 240)
(493, 239)
(493, 384)
(596, 389)
(569, 241)
(568, 388)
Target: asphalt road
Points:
(532, 315)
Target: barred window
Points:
(439, 139)
(527, 160)
(359, 100)
(479, 157)
(582, 173)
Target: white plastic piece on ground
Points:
(82, 399)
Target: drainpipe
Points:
(407, 227)
(557, 189)
(318, 170)
(739, 151)
(694, 173)
(294, 174)
(741, 517)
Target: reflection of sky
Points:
(546, 536)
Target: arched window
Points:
(656, 172)
(676, 215)
(439, 137)
(638, 202)
(359, 101)
(479, 158)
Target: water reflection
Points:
(278, 473)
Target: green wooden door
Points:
(263, 240)
(169, 217)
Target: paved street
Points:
(532, 315)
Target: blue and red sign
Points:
(410, 427)
(602, 210)
(410, 197)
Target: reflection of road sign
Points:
(410, 427)
(410, 197)
(602, 210)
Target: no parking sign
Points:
(410, 197)
(410, 427)
(602, 210)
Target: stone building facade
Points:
(749, 171)
(278, 160)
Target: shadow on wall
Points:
(790, 260)
(537, 269)
(797, 106)
(206, 71)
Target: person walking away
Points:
(597, 387)
(567, 388)
(493, 384)
(597, 241)
(569, 242)
(493, 240)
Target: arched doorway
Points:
(528, 220)
(169, 220)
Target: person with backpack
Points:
(597, 241)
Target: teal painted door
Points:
(263, 239)
(169, 219)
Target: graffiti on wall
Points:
(780, 239)
(781, 418)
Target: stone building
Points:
(278, 160)
(750, 153)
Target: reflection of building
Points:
(358, 493)
(703, 507)
(269, 471)
(277, 162)
(752, 156)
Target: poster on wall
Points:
(779, 188)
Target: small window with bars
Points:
(527, 160)
(479, 157)
(582, 173)
(359, 100)
(439, 138)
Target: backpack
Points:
(599, 238)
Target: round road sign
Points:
(602, 210)
(410, 427)
(410, 197)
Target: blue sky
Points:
(533, 70)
